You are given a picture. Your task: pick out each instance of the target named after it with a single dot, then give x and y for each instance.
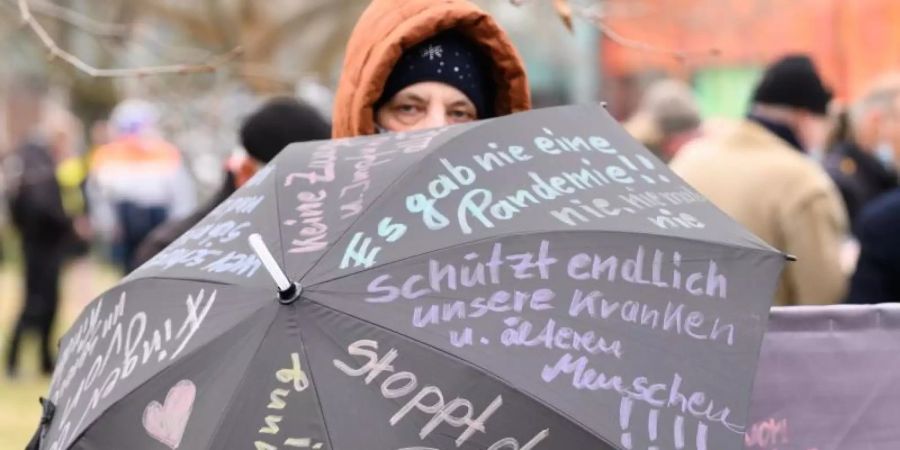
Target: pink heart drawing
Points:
(166, 423)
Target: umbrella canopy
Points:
(537, 281)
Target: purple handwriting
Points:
(660, 270)
(658, 395)
(321, 167)
(368, 159)
(312, 235)
(522, 266)
(522, 333)
(671, 319)
(499, 302)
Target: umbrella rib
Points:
(312, 380)
(122, 283)
(278, 217)
(383, 193)
(87, 427)
(176, 278)
(532, 233)
(247, 371)
(476, 367)
(430, 252)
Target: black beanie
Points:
(279, 122)
(448, 57)
(793, 81)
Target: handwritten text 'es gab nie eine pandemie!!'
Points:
(481, 206)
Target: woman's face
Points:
(428, 104)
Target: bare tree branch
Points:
(56, 52)
(598, 17)
(114, 30)
(565, 12)
(616, 37)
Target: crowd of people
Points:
(129, 195)
(812, 176)
(815, 180)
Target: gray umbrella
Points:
(537, 281)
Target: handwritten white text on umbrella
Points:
(135, 345)
(428, 400)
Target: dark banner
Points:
(828, 379)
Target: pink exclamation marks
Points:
(652, 423)
(624, 418)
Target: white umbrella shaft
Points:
(268, 261)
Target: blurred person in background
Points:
(839, 130)
(667, 118)
(278, 123)
(758, 173)
(416, 64)
(38, 212)
(71, 173)
(137, 181)
(877, 276)
(864, 164)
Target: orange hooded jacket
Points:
(388, 27)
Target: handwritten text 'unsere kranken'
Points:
(662, 270)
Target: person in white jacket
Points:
(137, 181)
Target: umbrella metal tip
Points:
(790, 257)
(290, 295)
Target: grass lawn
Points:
(19, 409)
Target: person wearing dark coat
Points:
(877, 276)
(279, 122)
(37, 211)
(859, 176)
(864, 166)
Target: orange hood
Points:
(388, 27)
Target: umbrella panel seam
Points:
(312, 379)
(245, 375)
(478, 368)
(87, 427)
(401, 177)
(541, 233)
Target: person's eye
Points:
(407, 108)
(461, 115)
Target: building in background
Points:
(727, 41)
